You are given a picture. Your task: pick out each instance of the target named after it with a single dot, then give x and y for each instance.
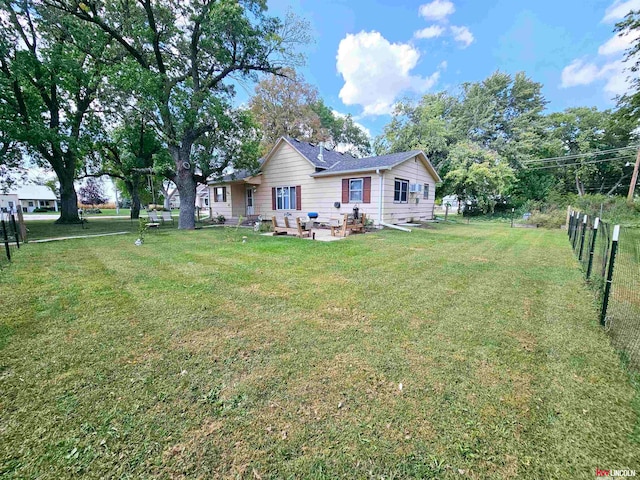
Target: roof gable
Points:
(34, 192)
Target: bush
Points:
(553, 219)
(43, 209)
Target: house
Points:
(9, 203)
(28, 198)
(299, 177)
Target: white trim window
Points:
(356, 190)
(285, 198)
(426, 191)
(401, 191)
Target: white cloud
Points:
(429, 32)
(619, 43)
(437, 10)
(582, 73)
(619, 9)
(376, 71)
(579, 73)
(462, 35)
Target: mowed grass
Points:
(199, 356)
(41, 229)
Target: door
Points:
(249, 201)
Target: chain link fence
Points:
(610, 257)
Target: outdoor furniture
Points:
(152, 225)
(298, 231)
(153, 217)
(166, 217)
(349, 224)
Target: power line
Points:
(579, 155)
(578, 163)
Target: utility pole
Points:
(634, 178)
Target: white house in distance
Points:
(303, 177)
(28, 198)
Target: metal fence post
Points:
(607, 285)
(584, 232)
(592, 245)
(576, 231)
(16, 234)
(570, 224)
(6, 240)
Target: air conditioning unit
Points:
(415, 188)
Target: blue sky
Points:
(369, 53)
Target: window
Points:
(426, 190)
(31, 204)
(285, 198)
(401, 191)
(356, 187)
(220, 194)
(206, 202)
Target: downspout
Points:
(381, 192)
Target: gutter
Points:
(329, 172)
(381, 194)
(396, 227)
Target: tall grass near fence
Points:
(610, 257)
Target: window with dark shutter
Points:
(367, 190)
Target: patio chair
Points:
(166, 217)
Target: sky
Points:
(368, 54)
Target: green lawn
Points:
(125, 212)
(39, 229)
(198, 356)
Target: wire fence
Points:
(610, 257)
(10, 238)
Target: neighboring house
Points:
(298, 177)
(9, 203)
(202, 197)
(30, 197)
(453, 202)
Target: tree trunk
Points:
(68, 197)
(134, 193)
(186, 184)
(579, 186)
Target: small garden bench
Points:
(298, 230)
(349, 224)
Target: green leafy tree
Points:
(282, 106)
(630, 103)
(180, 60)
(48, 87)
(285, 105)
(478, 174)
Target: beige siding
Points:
(417, 208)
(288, 168)
(221, 208)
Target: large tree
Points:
(630, 103)
(286, 105)
(51, 69)
(182, 59)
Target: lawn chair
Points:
(154, 221)
(166, 217)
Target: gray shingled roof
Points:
(370, 163)
(311, 151)
(332, 161)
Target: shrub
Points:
(553, 219)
